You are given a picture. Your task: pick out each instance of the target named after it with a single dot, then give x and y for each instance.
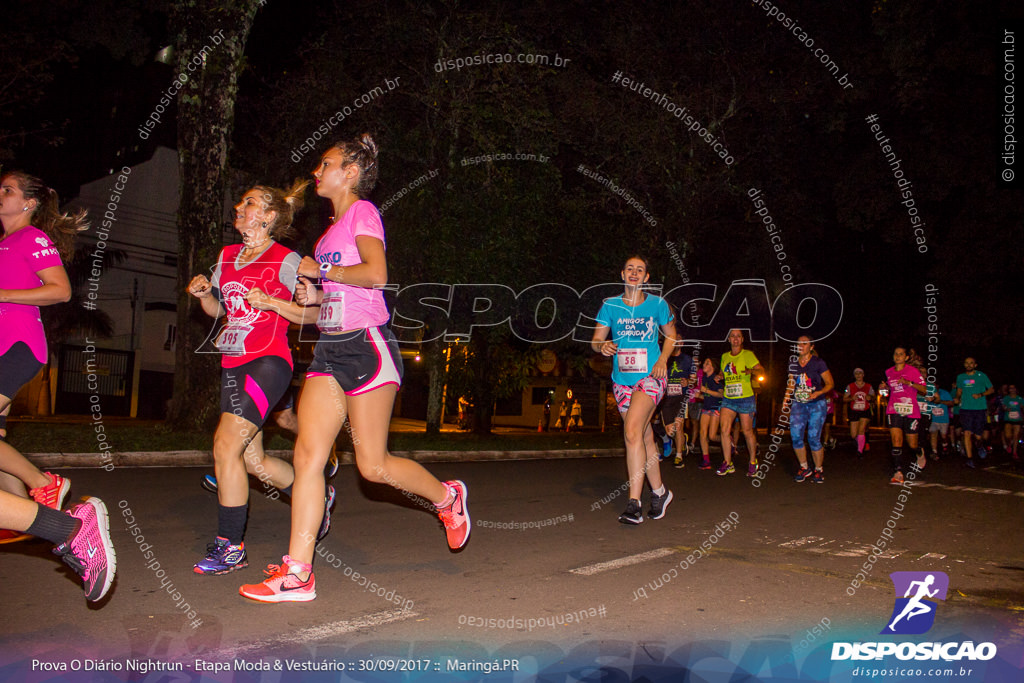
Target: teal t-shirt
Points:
(940, 411)
(977, 383)
(635, 330)
(1013, 408)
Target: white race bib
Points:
(938, 411)
(904, 407)
(734, 390)
(332, 312)
(1013, 415)
(632, 360)
(674, 389)
(231, 340)
(802, 394)
(860, 404)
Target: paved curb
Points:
(205, 458)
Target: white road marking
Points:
(316, 633)
(591, 569)
(796, 543)
(971, 489)
(817, 544)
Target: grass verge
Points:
(32, 437)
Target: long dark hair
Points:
(60, 227)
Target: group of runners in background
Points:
(661, 391)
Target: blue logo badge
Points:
(916, 596)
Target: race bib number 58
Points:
(632, 360)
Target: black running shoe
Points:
(659, 504)
(633, 513)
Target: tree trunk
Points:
(437, 374)
(483, 385)
(211, 37)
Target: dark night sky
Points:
(933, 75)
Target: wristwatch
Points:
(324, 269)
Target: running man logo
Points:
(914, 613)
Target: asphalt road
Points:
(549, 576)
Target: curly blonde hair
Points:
(286, 203)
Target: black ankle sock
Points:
(55, 526)
(231, 522)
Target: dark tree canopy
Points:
(794, 126)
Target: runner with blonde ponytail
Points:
(252, 286)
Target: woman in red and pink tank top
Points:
(251, 289)
(36, 236)
(355, 373)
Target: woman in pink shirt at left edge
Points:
(36, 236)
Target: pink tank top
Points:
(360, 307)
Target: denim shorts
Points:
(740, 406)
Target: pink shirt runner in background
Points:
(362, 307)
(22, 256)
(903, 397)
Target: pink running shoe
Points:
(90, 552)
(53, 494)
(456, 515)
(281, 585)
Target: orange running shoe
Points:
(9, 536)
(53, 494)
(281, 585)
(456, 516)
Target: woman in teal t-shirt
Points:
(639, 371)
